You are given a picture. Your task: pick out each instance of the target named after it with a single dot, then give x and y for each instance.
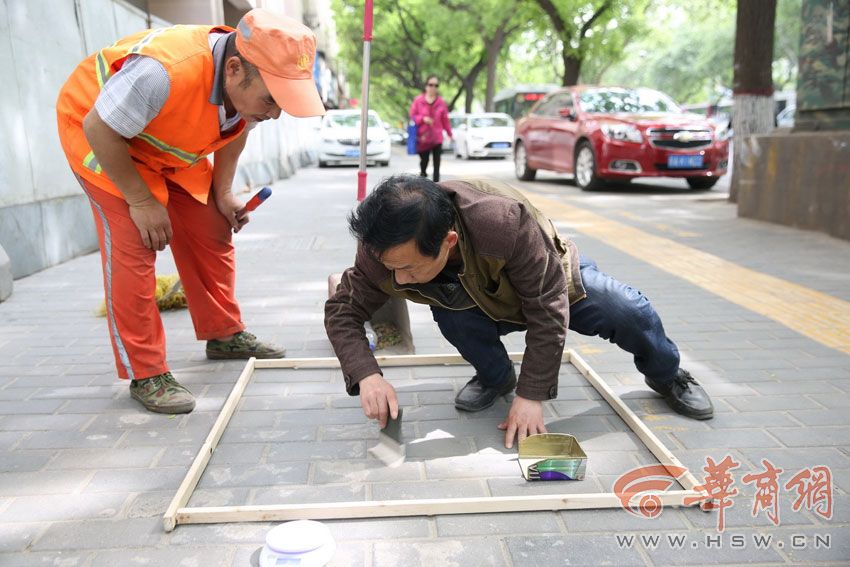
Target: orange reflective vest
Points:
(174, 145)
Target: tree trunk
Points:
(494, 48)
(572, 68)
(752, 84)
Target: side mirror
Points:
(566, 112)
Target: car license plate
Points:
(352, 153)
(500, 145)
(677, 161)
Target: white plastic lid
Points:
(300, 536)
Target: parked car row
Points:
(603, 134)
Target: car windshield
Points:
(623, 100)
(349, 121)
(489, 121)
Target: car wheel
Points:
(385, 164)
(521, 164)
(585, 168)
(702, 182)
(323, 163)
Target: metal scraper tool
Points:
(390, 449)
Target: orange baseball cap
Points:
(284, 51)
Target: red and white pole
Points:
(364, 99)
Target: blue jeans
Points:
(611, 310)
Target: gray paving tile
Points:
(822, 417)
(304, 451)
(102, 534)
(819, 436)
(726, 438)
(772, 402)
(379, 529)
(486, 552)
(542, 551)
(216, 534)
(517, 486)
(135, 480)
(64, 558)
(428, 489)
(261, 475)
(43, 422)
(617, 521)
(183, 557)
(267, 434)
(325, 472)
(19, 537)
(762, 419)
(9, 439)
(488, 524)
(135, 457)
(62, 507)
(353, 492)
(22, 461)
(42, 482)
(70, 439)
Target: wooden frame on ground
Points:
(178, 513)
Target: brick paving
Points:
(85, 474)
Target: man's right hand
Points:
(151, 218)
(378, 399)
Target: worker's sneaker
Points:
(685, 396)
(242, 345)
(476, 396)
(162, 394)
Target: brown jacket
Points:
(515, 267)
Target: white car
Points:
(485, 134)
(339, 139)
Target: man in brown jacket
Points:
(488, 263)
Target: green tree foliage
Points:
(591, 31)
(689, 52)
(682, 47)
(415, 38)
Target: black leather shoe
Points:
(475, 396)
(686, 396)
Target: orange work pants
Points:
(203, 251)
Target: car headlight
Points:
(722, 131)
(329, 140)
(622, 132)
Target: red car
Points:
(616, 134)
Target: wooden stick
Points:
(178, 514)
(190, 481)
(385, 360)
(652, 442)
(398, 508)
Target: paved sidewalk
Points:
(85, 474)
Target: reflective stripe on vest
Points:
(101, 69)
(145, 40)
(182, 155)
(90, 161)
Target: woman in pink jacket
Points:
(431, 115)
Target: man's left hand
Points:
(524, 419)
(229, 205)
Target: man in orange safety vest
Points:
(137, 121)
